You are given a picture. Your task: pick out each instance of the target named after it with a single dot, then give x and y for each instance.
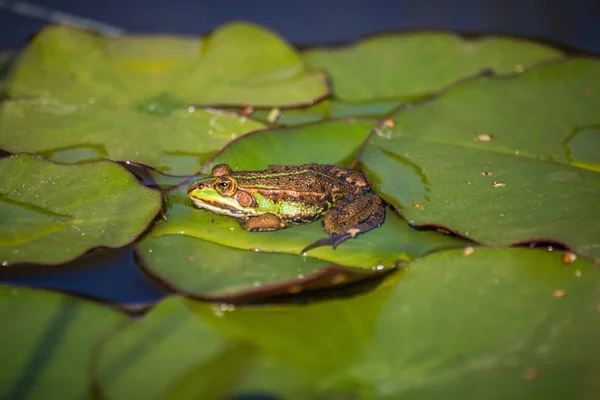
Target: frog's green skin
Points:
(286, 195)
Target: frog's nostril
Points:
(195, 186)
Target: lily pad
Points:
(211, 271)
(414, 65)
(169, 353)
(488, 159)
(239, 63)
(521, 323)
(47, 343)
(52, 213)
(177, 141)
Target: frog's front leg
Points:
(261, 223)
(350, 218)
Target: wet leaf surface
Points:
(419, 64)
(431, 333)
(52, 213)
(238, 63)
(47, 340)
(471, 162)
(176, 142)
(169, 353)
(216, 272)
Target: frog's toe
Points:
(353, 232)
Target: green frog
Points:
(281, 196)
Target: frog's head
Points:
(220, 193)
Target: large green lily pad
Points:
(47, 343)
(492, 323)
(178, 141)
(169, 354)
(239, 63)
(419, 64)
(51, 213)
(488, 159)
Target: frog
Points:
(285, 195)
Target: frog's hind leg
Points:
(349, 219)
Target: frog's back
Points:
(307, 178)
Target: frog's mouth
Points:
(225, 209)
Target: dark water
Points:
(113, 275)
(573, 22)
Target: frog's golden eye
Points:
(225, 187)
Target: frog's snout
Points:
(194, 186)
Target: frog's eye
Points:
(225, 187)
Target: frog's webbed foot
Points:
(332, 240)
(350, 219)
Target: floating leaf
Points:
(52, 213)
(480, 168)
(419, 64)
(47, 343)
(169, 353)
(216, 272)
(178, 142)
(519, 322)
(239, 63)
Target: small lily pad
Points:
(239, 63)
(474, 165)
(169, 353)
(47, 343)
(52, 213)
(415, 65)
